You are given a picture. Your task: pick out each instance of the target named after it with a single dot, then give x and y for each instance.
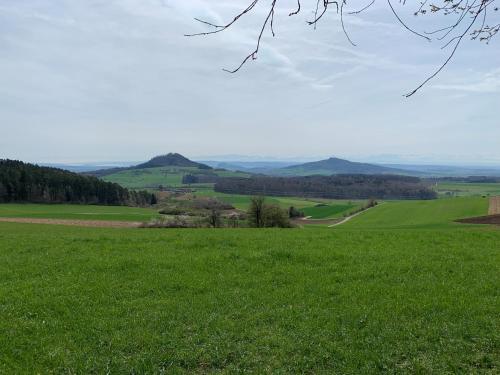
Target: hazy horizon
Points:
(450, 160)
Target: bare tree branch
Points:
(472, 20)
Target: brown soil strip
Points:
(490, 219)
(75, 223)
(494, 206)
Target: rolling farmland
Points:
(401, 287)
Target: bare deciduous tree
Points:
(470, 19)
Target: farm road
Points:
(75, 223)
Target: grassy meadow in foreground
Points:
(80, 300)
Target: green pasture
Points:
(153, 177)
(428, 214)
(150, 177)
(76, 212)
(329, 211)
(467, 189)
(316, 301)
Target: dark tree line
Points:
(332, 187)
(23, 182)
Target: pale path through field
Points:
(494, 206)
(345, 220)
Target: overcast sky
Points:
(94, 80)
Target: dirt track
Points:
(75, 223)
(330, 222)
(491, 219)
(494, 206)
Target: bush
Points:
(293, 213)
(275, 217)
(211, 204)
(261, 215)
(175, 222)
(171, 211)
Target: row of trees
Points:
(333, 187)
(23, 182)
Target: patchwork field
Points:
(79, 300)
(329, 208)
(151, 178)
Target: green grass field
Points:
(389, 291)
(317, 301)
(329, 211)
(153, 177)
(430, 214)
(76, 212)
(468, 189)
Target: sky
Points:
(117, 80)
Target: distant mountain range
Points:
(327, 167)
(341, 166)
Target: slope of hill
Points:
(165, 171)
(337, 166)
(167, 160)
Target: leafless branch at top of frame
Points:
(472, 17)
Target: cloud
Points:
(117, 79)
(485, 82)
